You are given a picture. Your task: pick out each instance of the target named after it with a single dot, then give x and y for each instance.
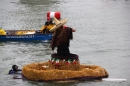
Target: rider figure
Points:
(47, 26)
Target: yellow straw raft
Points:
(62, 71)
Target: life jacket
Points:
(47, 27)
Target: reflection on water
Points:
(54, 83)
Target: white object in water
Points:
(118, 80)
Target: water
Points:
(101, 37)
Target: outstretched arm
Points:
(73, 30)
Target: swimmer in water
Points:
(14, 70)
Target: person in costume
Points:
(14, 70)
(47, 26)
(61, 40)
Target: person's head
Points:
(15, 67)
(49, 20)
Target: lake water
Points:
(101, 37)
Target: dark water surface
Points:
(101, 37)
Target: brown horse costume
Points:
(61, 40)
